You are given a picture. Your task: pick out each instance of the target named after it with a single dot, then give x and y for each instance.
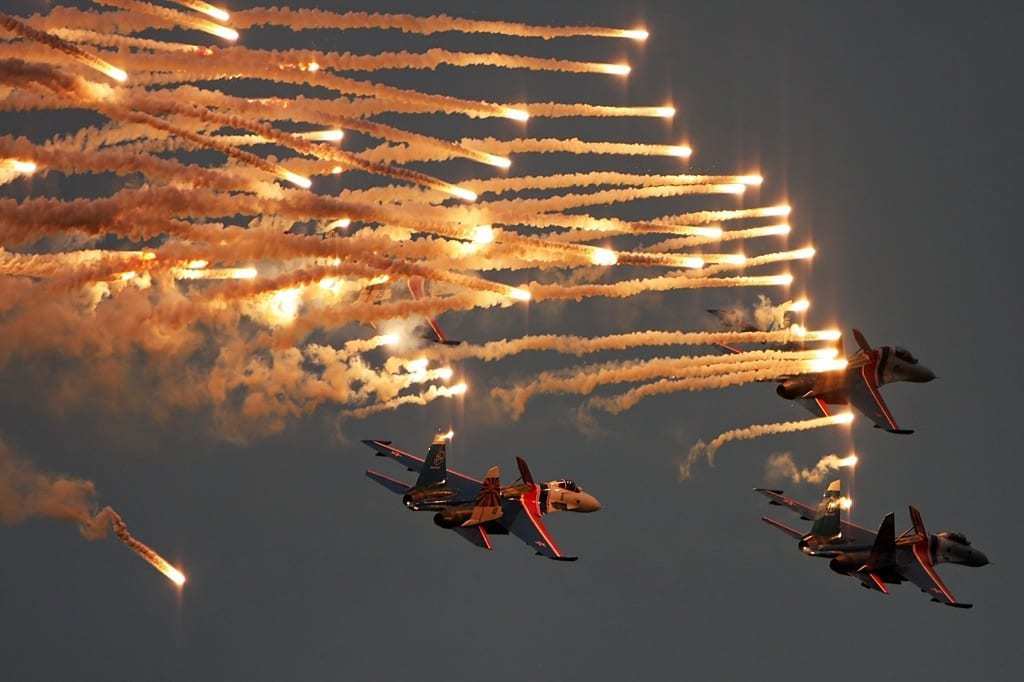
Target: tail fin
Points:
(524, 471)
(919, 531)
(435, 466)
(885, 543)
(488, 500)
(826, 523)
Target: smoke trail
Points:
(26, 492)
(431, 394)
(584, 380)
(781, 467)
(755, 431)
(625, 289)
(25, 31)
(174, 17)
(392, 154)
(305, 19)
(581, 345)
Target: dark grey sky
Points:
(894, 133)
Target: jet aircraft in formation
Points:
(858, 385)
(882, 558)
(476, 509)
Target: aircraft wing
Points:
(816, 406)
(465, 485)
(923, 574)
(851, 531)
(522, 518)
(865, 396)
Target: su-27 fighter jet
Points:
(858, 385)
(478, 509)
(882, 558)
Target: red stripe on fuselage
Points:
(529, 502)
(873, 388)
(923, 557)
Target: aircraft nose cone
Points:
(978, 559)
(590, 504)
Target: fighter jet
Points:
(882, 558)
(381, 291)
(858, 385)
(478, 509)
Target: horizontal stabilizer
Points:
(901, 432)
(392, 484)
(783, 527)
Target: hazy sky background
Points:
(894, 133)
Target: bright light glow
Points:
(445, 373)
(520, 294)
(199, 264)
(603, 257)
(483, 234)
(517, 114)
(418, 365)
(207, 9)
(224, 32)
(753, 180)
(284, 305)
(616, 69)
(295, 178)
(332, 135)
(714, 232)
(827, 364)
(845, 503)
(450, 434)
(785, 280)
(850, 461)
(495, 160)
(458, 389)
(799, 306)
(339, 224)
(127, 276)
(23, 167)
(692, 262)
(389, 339)
(734, 189)
(312, 67)
(735, 259)
(684, 151)
(639, 34)
(805, 253)
(336, 170)
(120, 75)
(798, 331)
(379, 279)
(461, 193)
(844, 418)
(665, 112)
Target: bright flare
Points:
(332, 135)
(207, 9)
(665, 112)
(445, 373)
(844, 418)
(638, 34)
(603, 257)
(460, 192)
(684, 151)
(389, 339)
(799, 306)
(616, 69)
(483, 234)
(517, 114)
(850, 461)
(805, 253)
(753, 180)
(520, 294)
(458, 389)
(22, 167)
(339, 224)
(294, 178)
(845, 503)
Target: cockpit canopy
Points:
(959, 538)
(568, 484)
(905, 355)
